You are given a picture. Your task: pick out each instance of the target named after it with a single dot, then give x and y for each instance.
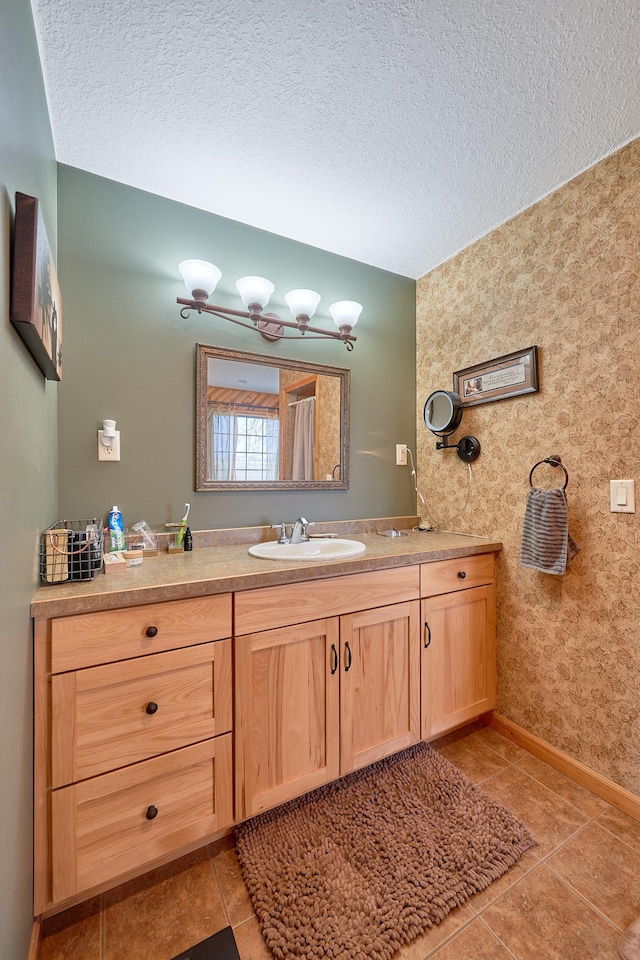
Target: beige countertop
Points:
(228, 567)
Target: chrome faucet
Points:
(299, 531)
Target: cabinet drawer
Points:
(294, 603)
(445, 576)
(121, 821)
(113, 715)
(91, 638)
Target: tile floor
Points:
(567, 899)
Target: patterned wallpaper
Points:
(565, 275)
(328, 426)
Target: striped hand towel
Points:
(546, 542)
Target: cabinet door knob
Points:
(461, 574)
(151, 631)
(152, 708)
(427, 635)
(152, 812)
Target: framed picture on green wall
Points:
(36, 304)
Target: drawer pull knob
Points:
(152, 812)
(151, 631)
(152, 708)
(461, 574)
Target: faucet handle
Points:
(282, 527)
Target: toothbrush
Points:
(183, 524)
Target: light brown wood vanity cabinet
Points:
(458, 661)
(136, 725)
(336, 674)
(327, 680)
(133, 740)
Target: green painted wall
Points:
(129, 357)
(28, 470)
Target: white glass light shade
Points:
(254, 290)
(199, 275)
(302, 302)
(345, 313)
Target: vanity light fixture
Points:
(201, 279)
(442, 415)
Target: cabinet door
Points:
(379, 683)
(287, 703)
(458, 658)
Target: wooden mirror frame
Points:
(203, 483)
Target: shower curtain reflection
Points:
(304, 439)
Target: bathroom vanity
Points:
(178, 698)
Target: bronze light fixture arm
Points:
(266, 323)
(203, 307)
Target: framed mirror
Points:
(266, 423)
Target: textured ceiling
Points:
(394, 132)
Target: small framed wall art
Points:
(508, 376)
(36, 304)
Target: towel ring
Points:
(554, 461)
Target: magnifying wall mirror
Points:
(443, 412)
(442, 415)
(266, 423)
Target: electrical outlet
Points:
(401, 454)
(112, 452)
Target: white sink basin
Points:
(309, 550)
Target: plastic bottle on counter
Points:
(116, 531)
(188, 540)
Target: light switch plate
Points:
(623, 497)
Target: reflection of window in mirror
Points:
(269, 422)
(243, 421)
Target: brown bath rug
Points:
(365, 864)
(629, 942)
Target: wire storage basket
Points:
(71, 550)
